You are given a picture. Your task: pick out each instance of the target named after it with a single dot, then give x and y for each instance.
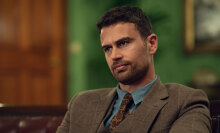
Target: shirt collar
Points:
(137, 95)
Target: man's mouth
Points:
(120, 67)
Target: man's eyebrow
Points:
(124, 39)
(118, 41)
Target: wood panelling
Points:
(32, 52)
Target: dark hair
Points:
(127, 14)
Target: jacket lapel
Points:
(147, 111)
(103, 105)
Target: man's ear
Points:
(152, 43)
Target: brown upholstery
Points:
(215, 113)
(39, 119)
(46, 119)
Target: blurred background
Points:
(50, 49)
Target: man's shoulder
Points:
(178, 87)
(179, 91)
(94, 94)
(175, 87)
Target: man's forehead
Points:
(119, 25)
(117, 31)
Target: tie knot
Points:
(126, 101)
(127, 98)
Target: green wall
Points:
(87, 68)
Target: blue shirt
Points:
(137, 96)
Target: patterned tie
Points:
(122, 113)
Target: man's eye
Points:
(123, 43)
(107, 49)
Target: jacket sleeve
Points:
(65, 125)
(194, 116)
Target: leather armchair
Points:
(37, 119)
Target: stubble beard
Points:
(131, 75)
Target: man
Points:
(140, 103)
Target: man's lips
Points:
(120, 67)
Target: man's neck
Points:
(136, 85)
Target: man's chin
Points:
(127, 78)
(123, 79)
(120, 75)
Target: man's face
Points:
(126, 53)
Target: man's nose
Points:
(116, 54)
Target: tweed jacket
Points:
(166, 108)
